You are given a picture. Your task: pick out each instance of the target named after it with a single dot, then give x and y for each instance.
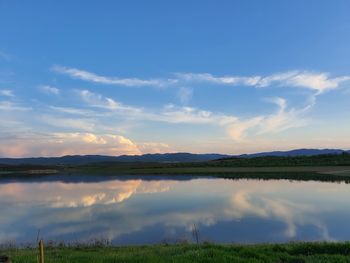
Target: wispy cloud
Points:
(6, 93)
(238, 128)
(99, 111)
(77, 124)
(99, 101)
(185, 94)
(226, 80)
(70, 110)
(49, 89)
(318, 82)
(105, 115)
(129, 82)
(283, 119)
(10, 106)
(191, 115)
(169, 113)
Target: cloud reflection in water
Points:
(139, 211)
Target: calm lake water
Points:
(143, 210)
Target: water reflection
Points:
(149, 211)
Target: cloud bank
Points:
(60, 144)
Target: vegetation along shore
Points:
(291, 252)
(321, 167)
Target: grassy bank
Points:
(321, 164)
(316, 173)
(293, 252)
(323, 174)
(320, 168)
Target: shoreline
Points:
(317, 173)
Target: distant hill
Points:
(156, 158)
(86, 159)
(171, 157)
(297, 152)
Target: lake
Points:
(147, 210)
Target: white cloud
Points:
(73, 143)
(154, 147)
(58, 144)
(319, 82)
(170, 113)
(281, 120)
(104, 115)
(99, 101)
(7, 93)
(130, 82)
(89, 143)
(228, 80)
(173, 114)
(237, 130)
(275, 78)
(49, 89)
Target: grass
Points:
(286, 161)
(323, 174)
(319, 173)
(332, 164)
(334, 168)
(292, 252)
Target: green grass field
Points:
(293, 252)
(320, 166)
(274, 167)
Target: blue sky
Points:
(132, 77)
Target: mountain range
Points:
(297, 152)
(157, 158)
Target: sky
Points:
(134, 77)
